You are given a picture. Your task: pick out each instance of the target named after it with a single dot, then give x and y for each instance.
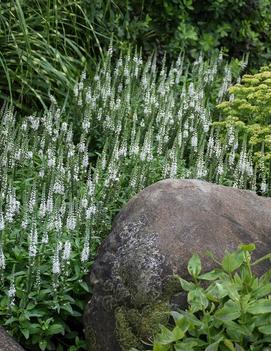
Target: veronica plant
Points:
(65, 174)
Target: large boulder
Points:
(152, 238)
(7, 343)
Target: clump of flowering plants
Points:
(65, 174)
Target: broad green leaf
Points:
(193, 319)
(213, 275)
(232, 261)
(165, 336)
(197, 299)
(55, 329)
(157, 346)
(265, 329)
(185, 346)
(187, 286)
(194, 266)
(229, 312)
(25, 333)
(176, 316)
(260, 307)
(261, 319)
(43, 344)
(236, 330)
(216, 292)
(229, 344)
(214, 346)
(178, 333)
(34, 328)
(231, 290)
(262, 291)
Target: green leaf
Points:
(185, 345)
(160, 347)
(35, 312)
(180, 321)
(260, 307)
(213, 275)
(187, 286)
(34, 328)
(237, 331)
(247, 247)
(231, 290)
(165, 336)
(265, 329)
(228, 343)
(85, 286)
(232, 261)
(194, 266)
(229, 312)
(43, 344)
(55, 329)
(262, 291)
(214, 346)
(25, 333)
(178, 333)
(197, 300)
(216, 292)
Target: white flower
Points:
(84, 203)
(2, 258)
(2, 222)
(91, 211)
(71, 220)
(85, 252)
(33, 242)
(67, 251)
(56, 264)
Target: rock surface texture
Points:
(152, 238)
(7, 343)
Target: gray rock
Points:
(153, 237)
(7, 343)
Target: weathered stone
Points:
(153, 237)
(7, 343)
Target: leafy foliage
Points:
(237, 26)
(231, 313)
(45, 45)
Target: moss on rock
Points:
(133, 325)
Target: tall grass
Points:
(44, 45)
(65, 174)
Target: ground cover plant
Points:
(231, 313)
(65, 174)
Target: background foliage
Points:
(45, 45)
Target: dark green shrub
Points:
(238, 26)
